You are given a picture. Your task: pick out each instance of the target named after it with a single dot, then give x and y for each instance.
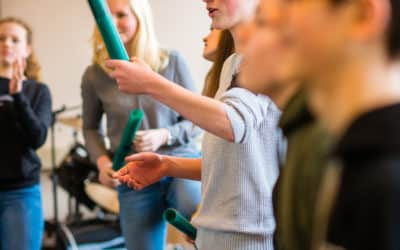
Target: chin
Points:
(220, 24)
(209, 57)
(124, 41)
(123, 38)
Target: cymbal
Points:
(74, 122)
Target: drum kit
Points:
(78, 176)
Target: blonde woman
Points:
(25, 115)
(163, 130)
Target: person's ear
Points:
(371, 19)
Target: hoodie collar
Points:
(296, 113)
(377, 131)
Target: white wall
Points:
(182, 24)
(62, 31)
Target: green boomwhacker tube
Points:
(111, 38)
(177, 220)
(128, 135)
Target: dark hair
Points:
(393, 31)
(225, 48)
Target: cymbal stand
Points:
(76, 215)
(54, 176)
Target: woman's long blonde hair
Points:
(33, 69)
(145, 44)
(225, 48)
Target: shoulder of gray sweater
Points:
(272, 107)
(173, 57)
(94, 73)
(178, 71)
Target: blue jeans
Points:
(21, 219)
(141, 211)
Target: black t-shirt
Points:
(366, 215)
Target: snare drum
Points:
(105, 197)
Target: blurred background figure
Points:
(162, 130)
(25, 115)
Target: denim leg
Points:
(184, 195)
(21, 217)
(141, 217)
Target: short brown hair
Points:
(393, 30)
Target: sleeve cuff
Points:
(245, 110)
(171, 136)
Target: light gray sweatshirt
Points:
(238, 177)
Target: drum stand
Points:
(54, 226)
(74, 216)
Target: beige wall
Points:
(63, 29)
(62, 32)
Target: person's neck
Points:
(342, 94)
(281, 97)
(5, 71)
(236, 32)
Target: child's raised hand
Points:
(17, 77)
(134, 77)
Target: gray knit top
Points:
(237, 178)
(101, 96)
